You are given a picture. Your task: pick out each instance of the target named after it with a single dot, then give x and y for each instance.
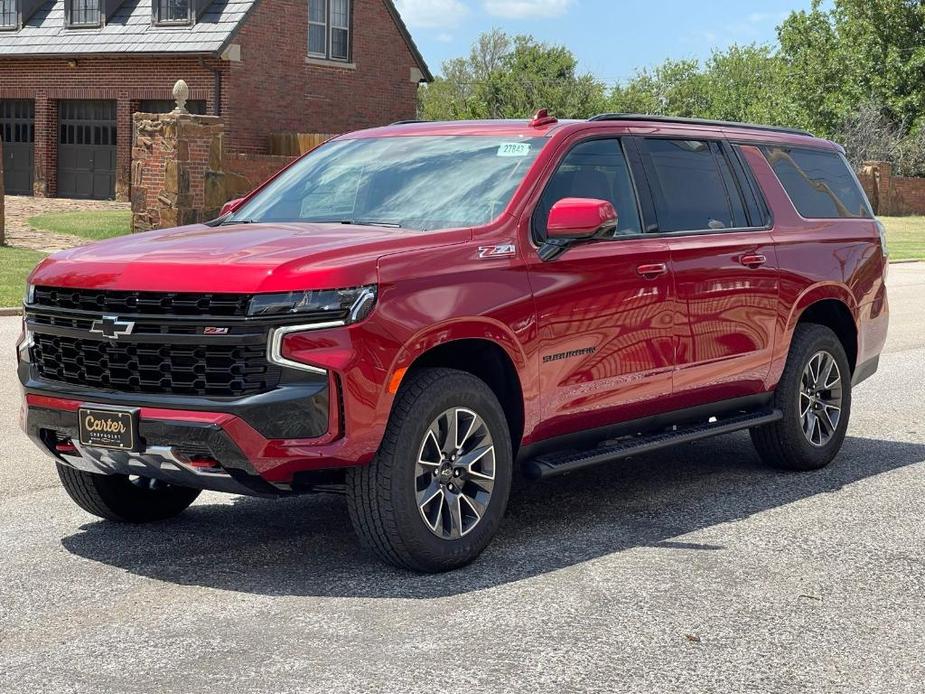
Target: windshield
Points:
(421, 183)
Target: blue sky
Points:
(610, 37)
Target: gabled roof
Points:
(412, 46)
(128, 30)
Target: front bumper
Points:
(245, 461)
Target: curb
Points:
(10, 311)
(906, 262)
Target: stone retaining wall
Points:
(181, 173)
(2, 221)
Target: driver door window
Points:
(595, 169)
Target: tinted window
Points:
(688, 187)
(820, 184)
(595, 169)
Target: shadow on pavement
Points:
(305, 545)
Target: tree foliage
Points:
(511, 77)
(854, 73)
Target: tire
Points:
(785, 443)
(385, 497)
(120, 498)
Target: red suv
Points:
(413, 314)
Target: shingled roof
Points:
(129, 30)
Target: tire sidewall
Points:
(457, 391)
(818, 338)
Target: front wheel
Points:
(123, 498)
(433, 497)
(814, 395)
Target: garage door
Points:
(17, 125)
(87, 149)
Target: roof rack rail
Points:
(410, 121)
(698, 121)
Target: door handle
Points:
(650, 272)
(753, 261)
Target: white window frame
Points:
(15, 25)
(71, 24)
(161, 21)
(329, 29)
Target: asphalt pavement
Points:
(694, 570)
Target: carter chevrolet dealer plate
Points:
(108, 428)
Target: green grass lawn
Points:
(905, 237)
(15, 265)
(93, 226)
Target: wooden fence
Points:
(296, 144)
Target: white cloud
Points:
(527, 9)
(430, 14)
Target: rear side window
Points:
(692, 186)
(820, 184)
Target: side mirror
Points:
(572, 220)
(231, 206)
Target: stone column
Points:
(176, 169)
(2, 227)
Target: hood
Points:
(241, 258)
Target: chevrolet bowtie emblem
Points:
(112, 327)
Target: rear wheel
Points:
(124, 498)
(433, 497)
(814, 394)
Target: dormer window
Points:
(84, 13)
(173, 12)
(329, 29)
(9, 14)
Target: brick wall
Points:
(892, 195)
(278, 91)
(271, 89)
(125, 79)
(250, 170)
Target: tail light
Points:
(883, 245)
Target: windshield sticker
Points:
(514, 149)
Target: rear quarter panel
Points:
(821, 259)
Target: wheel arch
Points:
(485, 349)
(834, 307)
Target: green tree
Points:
(674, 88)
(859, 52)
(506, 77)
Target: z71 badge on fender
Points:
(500, 251)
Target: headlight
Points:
(30, 294)
(321, 305)
(24, 343)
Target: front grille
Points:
(179, 369)
(143, 303)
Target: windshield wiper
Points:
(363, 223)
(229, 222)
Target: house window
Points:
(84, 13)
(173, 11)
(329, 29)
(9, 14)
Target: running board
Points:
(553, 464)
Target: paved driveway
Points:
(695, 570)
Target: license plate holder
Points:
(114, 428)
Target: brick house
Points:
(72, 72)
